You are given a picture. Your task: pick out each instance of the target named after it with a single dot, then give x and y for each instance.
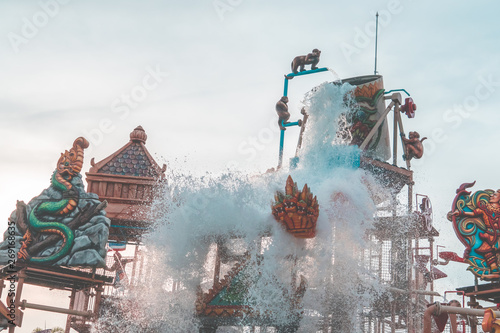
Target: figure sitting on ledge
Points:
(413, 146)
(310, 59)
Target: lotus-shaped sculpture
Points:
(296, 210)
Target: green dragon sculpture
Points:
(69, 165)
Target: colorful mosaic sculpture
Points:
(476, 221)
(297, 210)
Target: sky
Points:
(202, 78)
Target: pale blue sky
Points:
(225, 62)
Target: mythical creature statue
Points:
(309, 59)
(282, 110)
(413, 146)
(297, 210)
(41, 218)
(476, 220)
(366, 103)
(490, 322)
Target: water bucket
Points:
(369, 96)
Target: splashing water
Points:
(331, 70)
(193, 214)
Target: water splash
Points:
(331, 70)
(194, 213)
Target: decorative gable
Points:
(127, 179)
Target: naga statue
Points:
(41, 219)
(297, 210)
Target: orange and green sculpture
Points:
(64, 225)
(490, 322)
(296, 210)
(476, 220)
(69, 164)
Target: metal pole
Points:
(463, 311)
(473, 325)
(302, 129)
(431, 245)
(26, 305)
(395, 140)
(410, 308)
(413, 291)
(282, 139)
(71, 307)
(376, 42)
(393, 317)
(402, 131)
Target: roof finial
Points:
(138, 135)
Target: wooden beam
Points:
(25, 304)
(108, 177)
(483, 292)
(71, 307)
(99, 289)
(376, 126)
(80, 278)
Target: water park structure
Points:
(345, 245)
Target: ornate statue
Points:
(490, 322)
(44, 228)
(69, 164)
(282, 110)
(476, 222)
(310, 59)
(413, 146)
(297, 210)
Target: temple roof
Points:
(133, 159)
(128, 180)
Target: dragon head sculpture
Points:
(70, 163)
(297, 210)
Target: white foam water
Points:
(194, 213)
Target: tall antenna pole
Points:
(376, 41)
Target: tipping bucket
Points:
(369, 96)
